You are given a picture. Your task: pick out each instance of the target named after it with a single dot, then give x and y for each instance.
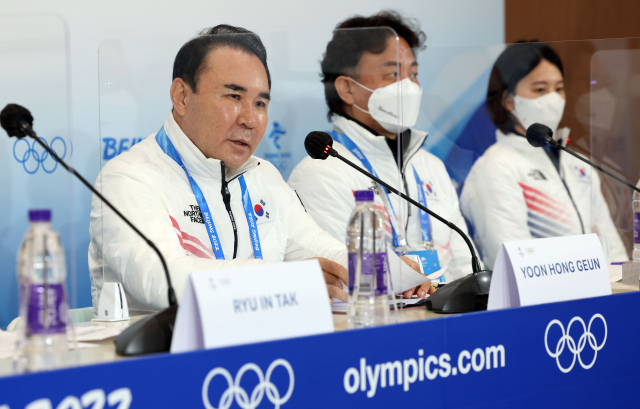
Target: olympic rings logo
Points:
(234, 389)
(31, 160)
(576, 350)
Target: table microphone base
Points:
(150, 335)
(466, 294)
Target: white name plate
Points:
(252, 304)
(548, 270)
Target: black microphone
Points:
(540, 135)
(319, 145)
(17, 121)
(149, 335)
(469, 293)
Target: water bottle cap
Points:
(364, 195)
(40, 215)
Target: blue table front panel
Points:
(327, 369)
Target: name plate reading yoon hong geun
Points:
(252, 304)
(549, 270)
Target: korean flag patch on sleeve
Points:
(262, 210)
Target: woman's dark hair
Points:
(345, 49)
(515, 63)
(189, 62)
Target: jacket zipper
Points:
(226, 198)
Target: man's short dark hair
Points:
(189, 62)
(515, 63)
(345, 49)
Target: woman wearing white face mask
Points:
(518, 192)
(362, 84)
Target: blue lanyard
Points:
(424, 217)
(248, 211)
(353, 148)
(168, 148)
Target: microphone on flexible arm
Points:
(540, 135)
(149, 335)
(469, 293)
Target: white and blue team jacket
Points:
(327, 188)
(514, 192)
(153, 191)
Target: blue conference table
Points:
(580, 353)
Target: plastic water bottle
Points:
(636, 226)
(368, 267)
(41, 273)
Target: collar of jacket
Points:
(195, 161)
(520, 142)
(375, 146)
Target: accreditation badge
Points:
(429, 260)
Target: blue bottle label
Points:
(47, 310)
(636, 227)
(366, 275)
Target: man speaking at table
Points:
(195, 189)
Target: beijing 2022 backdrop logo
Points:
(32, 156)
(280, 159)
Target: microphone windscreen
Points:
(316, 144)
(12, 117)
(539, 135)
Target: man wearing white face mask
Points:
(362, 85)
(518, 192)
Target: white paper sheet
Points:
(8, 343)
(83, 345)
(404, 277)
(615, 272)
(96, 333)
(437, 274)
(340, 307)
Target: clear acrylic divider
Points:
(453, 110)
(362, 89)
(608, 110)
(135, 77)
(516, 192)
(35, 74)
(134, 80)
(454, 117)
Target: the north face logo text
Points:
(537, 175)
(194, 214)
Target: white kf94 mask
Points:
(383, 104)
(546, 110)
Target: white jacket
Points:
(151, 189)
(327, 187)
(514, 192)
